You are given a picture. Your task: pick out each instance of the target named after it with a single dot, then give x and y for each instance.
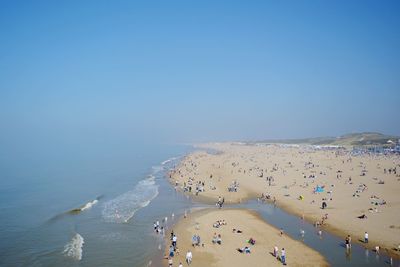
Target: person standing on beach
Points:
(171, 251)
(366, 237)
(276, 251)
(174, 239)
(348, 242)
(189, 257)
(283, 256)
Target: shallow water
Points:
(329, 245)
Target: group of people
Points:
(219, 223)
(174, 250)
(234, 186)
(321, 222)
(196, 240)
(265, 197)
(347, 240)
(281, 257)
(220, 202)
(390, 170)
(217, 239)
(158, 228)
(247, 248)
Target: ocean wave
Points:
(168, 160)
(87, 206)
(74, 248)
(122, 208)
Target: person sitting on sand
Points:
(244, 250)
(251, 241)
(373, 210)
(219, 239)
(237, 231)
(215, 238)
(194, 240)
(362, 216)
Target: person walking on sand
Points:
(283, 256)
(189, 257)
(276, 251)
(366, 237)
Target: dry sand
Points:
(288, 165)
(226, 254)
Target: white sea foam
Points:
(168, 160)
(122, 208)
(74, 248)
(89, 205)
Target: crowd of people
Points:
(319, 185)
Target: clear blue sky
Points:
(186, 71)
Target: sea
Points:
(88, 209)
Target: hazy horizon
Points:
(123, 73)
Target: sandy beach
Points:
(360, 192)
(207, 253)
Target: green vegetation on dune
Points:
(353, 139)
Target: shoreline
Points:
(309, 216)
